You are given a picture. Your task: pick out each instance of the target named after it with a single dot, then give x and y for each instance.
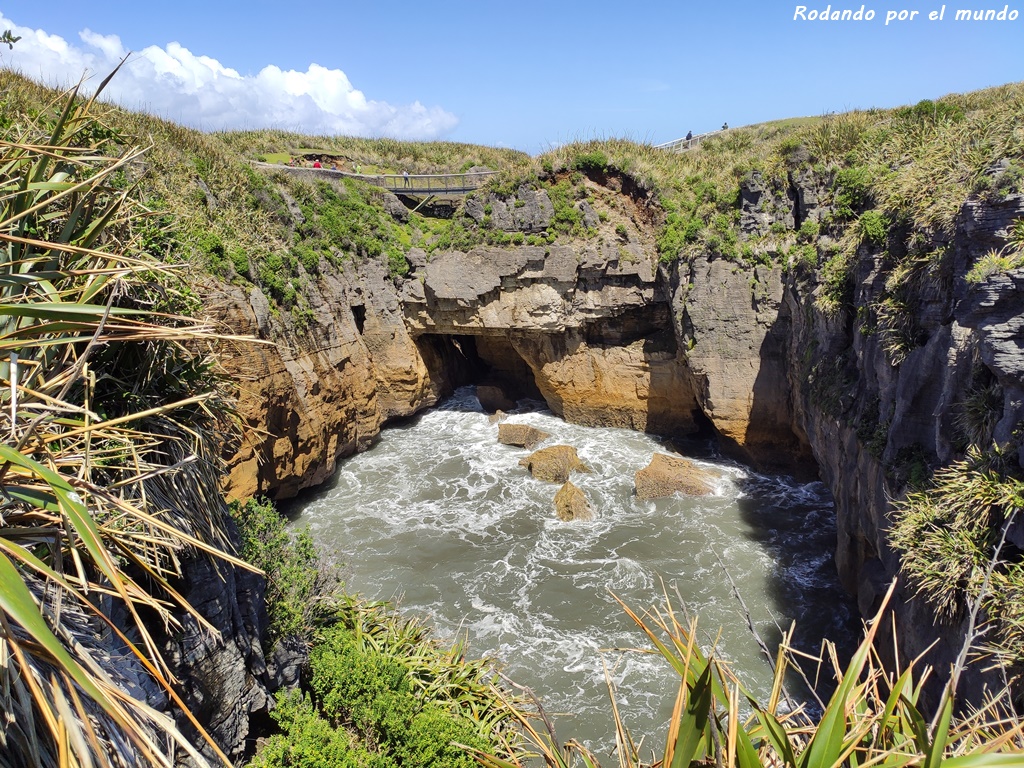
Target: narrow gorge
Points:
(609, 336)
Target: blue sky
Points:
(525, 74)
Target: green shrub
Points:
(836, 284)
(296, 582)
(852, 190)
(308, 256)
(567, 218)
(928, 111)
(595, 162)
(431, 739)
(872, 228)
(308, 740)
(362, 685)
(240, 261)
(808, 231)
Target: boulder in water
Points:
(521, 435)
(493, 398)
(666, 475)
(497, 416)
(571, 504)
(554, 464)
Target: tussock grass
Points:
(109, 467)
(947, 535)
(382, 155)
(873, 718)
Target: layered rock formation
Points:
(608, 336)
(318, 392)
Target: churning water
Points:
(442, 517)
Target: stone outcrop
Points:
(493, 398)
(737, 331)
(521, 435)
(554, 464)
(311, 394)
(666, 475)
(571, 504)
(592, 327)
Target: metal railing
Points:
(427, 183)
(413, 184)
(681, 145)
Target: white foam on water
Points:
(441, 514)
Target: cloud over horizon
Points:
(199, 91)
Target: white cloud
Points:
(201, 92)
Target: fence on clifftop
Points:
(400, 184)
(682, 145)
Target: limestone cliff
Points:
(316, 393)
(607, 335)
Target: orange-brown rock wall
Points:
(312, 393)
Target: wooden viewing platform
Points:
(414, 184)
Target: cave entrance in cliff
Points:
(491, 362)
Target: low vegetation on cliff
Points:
(381, 691)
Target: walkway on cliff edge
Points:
(681, 145)
(413, 184)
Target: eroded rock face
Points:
(494, 398)
(313, 394)
(521, 435)
(666, 475)
(554, 464)
(571, 504)
(592, 324)
(737, 329)
(881, 400)
(224, 679)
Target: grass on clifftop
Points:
(913, 167)
(373, 155)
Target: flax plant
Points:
(874, 718)
(107, 467)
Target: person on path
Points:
(405, 178)
(689, 135)
(725, 126)
(316, 164)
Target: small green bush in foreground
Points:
(381, 692)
